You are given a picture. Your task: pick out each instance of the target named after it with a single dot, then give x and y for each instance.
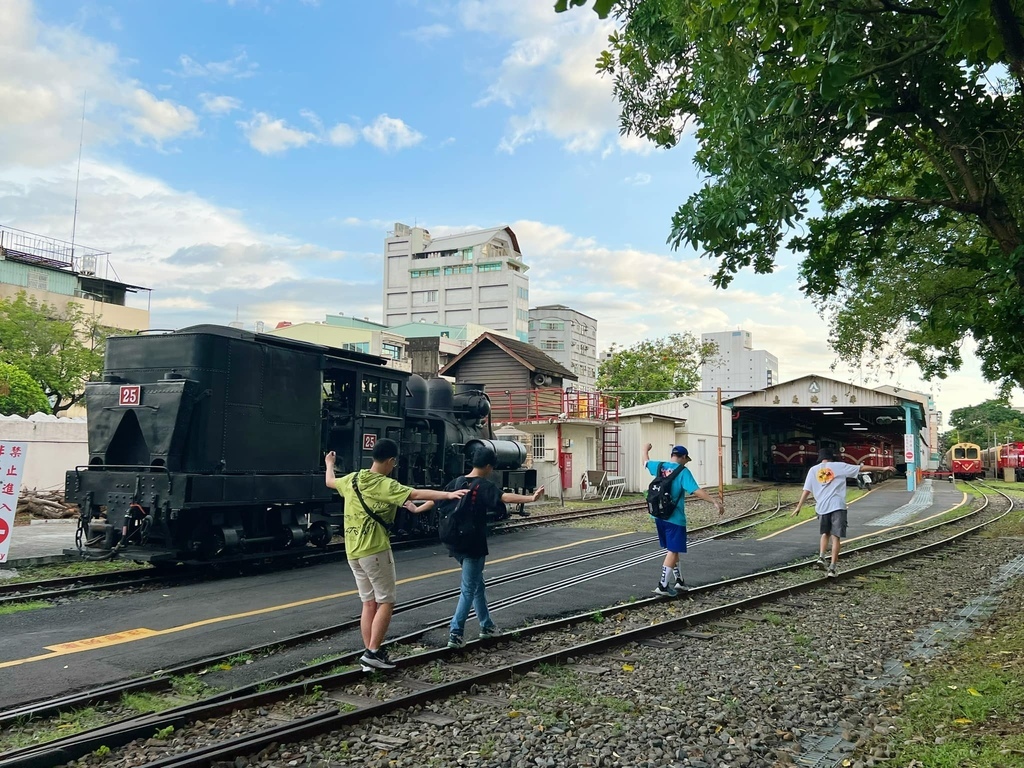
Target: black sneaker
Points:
(491, 631)
(375, 660)
(456, 641)
(665, 590)
(680, 587)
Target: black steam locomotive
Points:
(207, 443)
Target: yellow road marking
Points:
(131, 635)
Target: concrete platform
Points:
(41, 542)
(53, 651)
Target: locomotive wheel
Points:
(319, 534)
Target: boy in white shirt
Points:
(827, 482)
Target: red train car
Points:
(874, 453)
(965, 461)
(1002, 457)
(790, 461)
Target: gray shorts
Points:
(833, 523)
(375, 577)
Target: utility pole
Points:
(721, 469)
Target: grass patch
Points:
(322, 659)
(40, 732)
(566, 686)
(780, 521)
(74, 568)
(190, 686)
(144, 701)
(896, 584)
(32, 605)
(973, 705)
(239, 659)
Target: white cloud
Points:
(268, 136)
(47, 70)
(429, 33)
(160, 119)
(391, 133)
(235, 68)
(638, 179)
(548, 78)
(219, 105)
(343, 135)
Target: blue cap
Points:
(680, 450)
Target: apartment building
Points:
(570, 337)
(470, 278)
(738, 368)
(61, 273)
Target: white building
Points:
(570, 337)
(738, 368)
(474, 277)
(688, 421)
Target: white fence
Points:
(55, 445)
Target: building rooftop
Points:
(469, 239)
(527, 354)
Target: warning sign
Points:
(908, 447)
(12, 467)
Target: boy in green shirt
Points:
(368, 541)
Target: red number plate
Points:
(130, 395)
(369, 440)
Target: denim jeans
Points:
(471, 594)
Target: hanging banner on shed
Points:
(12, 467)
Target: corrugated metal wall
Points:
(14, 273)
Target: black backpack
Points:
(660, 502)
(457, 523)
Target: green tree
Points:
(881, 141)
(992, 419)
(60, 349)
(655, 369)
(20, 394)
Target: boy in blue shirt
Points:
(672, 531)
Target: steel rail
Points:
(117, 734)
(320, 723)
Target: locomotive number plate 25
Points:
(369, 440)
(130, 395)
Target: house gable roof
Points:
(525, 354)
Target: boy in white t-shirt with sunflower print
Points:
(827, 482)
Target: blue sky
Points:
(248, 156)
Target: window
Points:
(424, 297)
(357, 346)
(371, 395)
(552, 325)
(552, 344)
(391, 350)
(532, 323)
(538, 447)
(522, 314)
(435, 272)
(38, 280)
(462, 269)
(523, 293)
(467, 254)
(389, 398)
(492, 267)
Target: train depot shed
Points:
(778, 431)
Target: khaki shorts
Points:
(375, 577)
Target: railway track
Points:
(70, 586)
(335, 680)
(751, 517)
